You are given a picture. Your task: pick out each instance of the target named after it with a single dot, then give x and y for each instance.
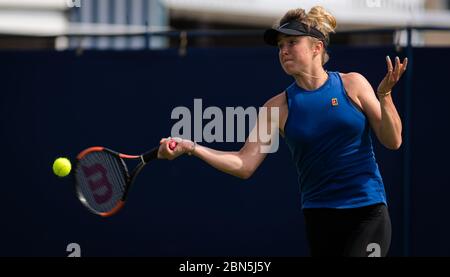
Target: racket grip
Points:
(172, 144)
(150, 155)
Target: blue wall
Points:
(57, 103)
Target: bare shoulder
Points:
(353, 79)
(278, 100)
(356, 85)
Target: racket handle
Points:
(150, 155)
(172, 144)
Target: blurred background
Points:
(109, 72)
(66, 24)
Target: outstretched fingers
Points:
(403, 66)
(400, 68)
(390, 70)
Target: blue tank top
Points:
(331, 146)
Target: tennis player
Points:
(326, 119)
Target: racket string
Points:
(115, 174)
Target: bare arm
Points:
(382, 114)
(391, 124)
(242, 163)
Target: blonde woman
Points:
(326, 119)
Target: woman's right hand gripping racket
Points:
(102, 179)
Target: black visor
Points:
(293, 28)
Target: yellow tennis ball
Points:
(62, 167)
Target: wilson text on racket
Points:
(226, 266)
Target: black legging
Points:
(356, 232)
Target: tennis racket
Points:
(102, 179)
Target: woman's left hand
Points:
(393, 75)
